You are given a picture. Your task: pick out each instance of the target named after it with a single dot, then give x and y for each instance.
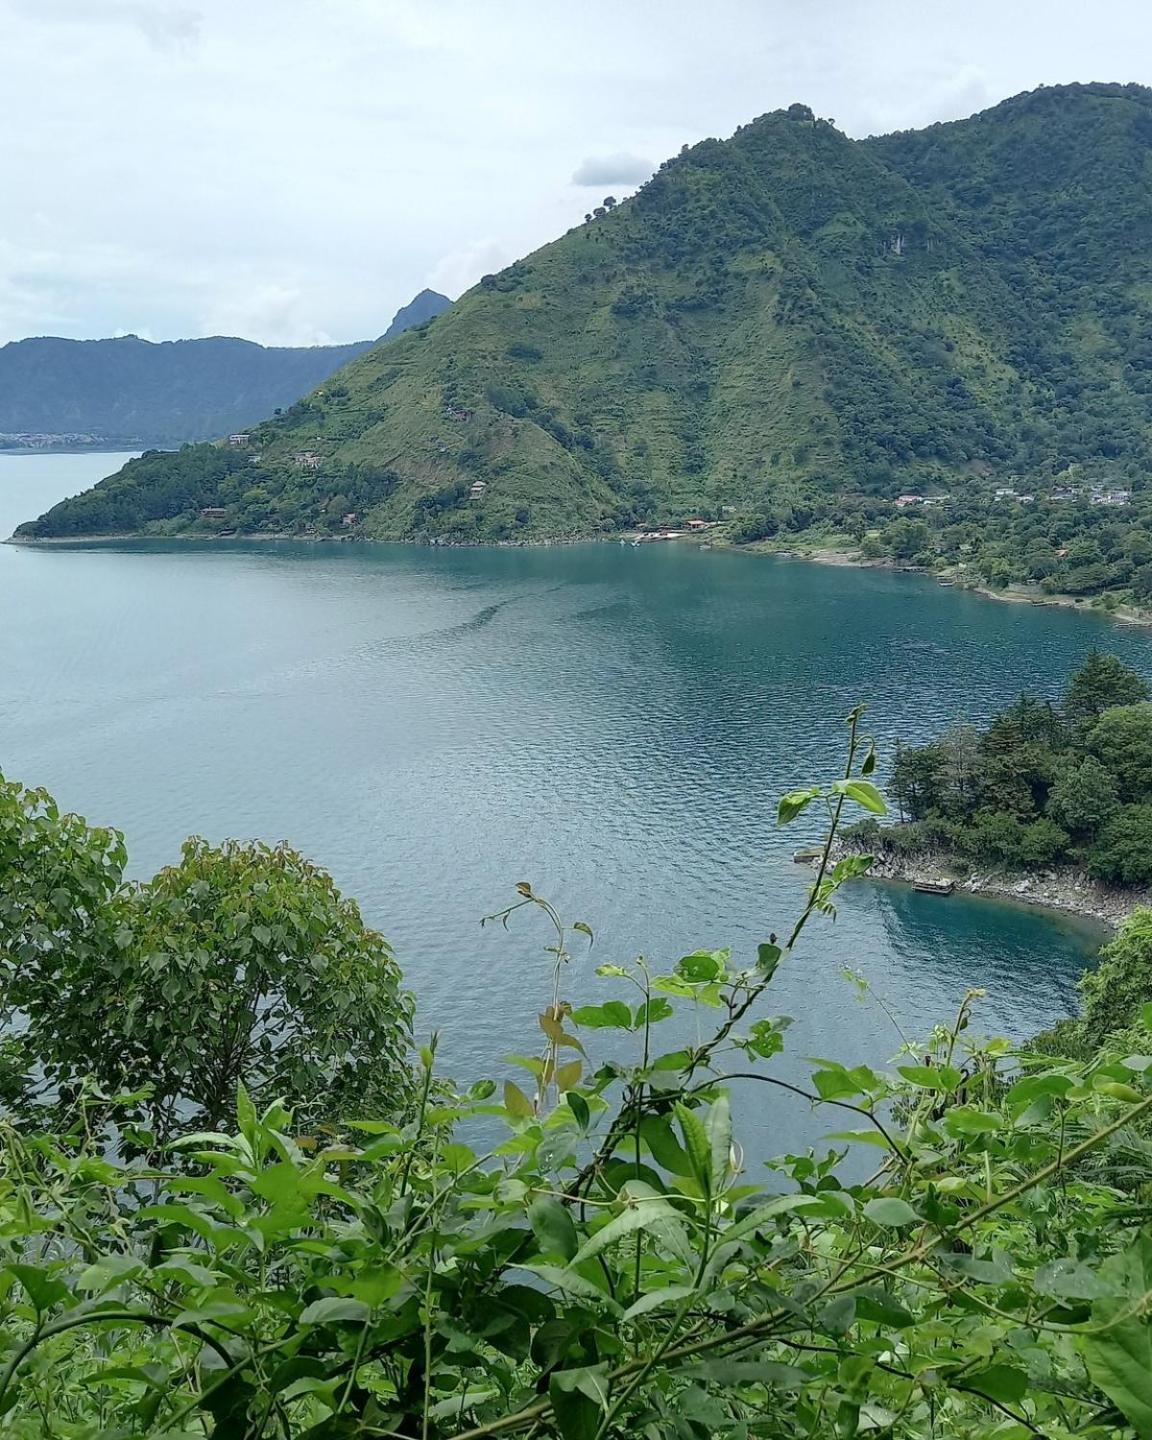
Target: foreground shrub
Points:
(242, 964)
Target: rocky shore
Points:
(1054, 888)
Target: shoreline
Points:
(1064, 889)
(945, 579)
(949, 580)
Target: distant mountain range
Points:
(132, 392)
(789, 323)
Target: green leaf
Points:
(299, 1367)
(702, 966)
(738, 1373)
(642, 1212)
(999, 1382)
(579, 1108)
(656, 1299)
(336, 1310)
(697, 1146)
(877, 1305)
(890, 1210)
(718, 1127)
(794, 803)
(612, 1015)
(1068, 1279)
(516, 1102)
(932, 1077)
(553, 1226)
(651, 1012)
(656, 1132)
(108, 1271)
(851, 866)
(579, 1399)
(466, 1400)
(1120, 1362)
(1118, 1350)
(835, 1082)
(571, 1283)
(869, 764)
(43, 1289)
(863, 792)
(245, 1113)
(965, 1120)
(768, 956)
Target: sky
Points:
(293, 171)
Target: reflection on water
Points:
(612, 724)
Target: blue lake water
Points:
(613, 725)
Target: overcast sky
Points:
(295, 170)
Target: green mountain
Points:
(786, 321)
(129, 390)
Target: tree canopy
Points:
(240, 965)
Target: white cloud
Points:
(461, 269)
(619, 169)
(161, 22)
(275, 314)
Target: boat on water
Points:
(934, 887)
(807, 855)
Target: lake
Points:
(613, 725)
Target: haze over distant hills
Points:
(785, 322)
(133, 392)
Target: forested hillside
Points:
(129, 390)
(788, 329)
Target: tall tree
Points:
(1101, 682)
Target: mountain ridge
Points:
(788, 322)
(130, 390)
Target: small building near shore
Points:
(213, 512)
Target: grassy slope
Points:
(781, 313)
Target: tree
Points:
(1101, 682)
(1006, 837)
(1082, 797)
(609, 202)
(241, 964)
(1114, 991)
(907, 538)
(1122, 853)
(920, 780)
(1122, 739)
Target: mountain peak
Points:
(779, 324)
(425, 306)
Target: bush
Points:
(1123, 851)
(241, 965)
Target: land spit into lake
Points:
(1056, 887)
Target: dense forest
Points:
(787, 331)
(1044, 783)
(130, 391)
(237, 1199)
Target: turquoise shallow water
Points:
(612, 724)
